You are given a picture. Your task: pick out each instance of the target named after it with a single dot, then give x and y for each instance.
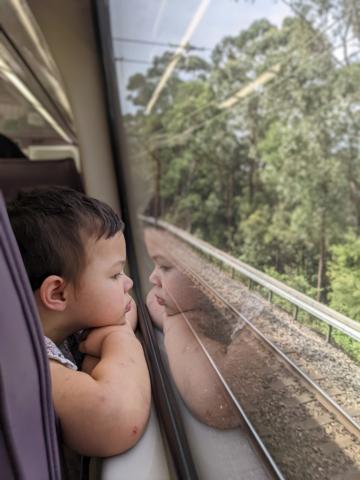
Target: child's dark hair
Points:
(51, 226)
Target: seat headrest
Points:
(23, 174)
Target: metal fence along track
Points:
(299, 300)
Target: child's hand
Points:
(92, 345)
(157, 312)
(131, 316)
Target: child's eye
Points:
(117, 275)
(164, 268)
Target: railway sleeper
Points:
(334, 445)
(314, 422)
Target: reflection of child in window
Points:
(172, 301)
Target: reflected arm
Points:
(195, 378)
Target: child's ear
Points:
(53, 293)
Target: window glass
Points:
(242, 120)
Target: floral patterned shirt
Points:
(60, 354)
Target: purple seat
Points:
(21, 173)
(28, 439)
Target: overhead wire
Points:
(214, 103)
(189, 46)
(180, 136)
(271, 85)
(132, 60)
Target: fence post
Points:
(296, 311)
(329, 332)
(270, 296)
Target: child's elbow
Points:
(137, 416)
(136, 428)
(127, 426)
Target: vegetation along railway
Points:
(227, 134)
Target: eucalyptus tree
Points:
(274, 176)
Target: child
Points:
(74, 252)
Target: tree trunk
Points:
(252, 182)
(355, 200)
(321, 264)
(157, 195)
(229, 202)
(252, 112)
(354, 188)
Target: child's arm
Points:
(195, 378)
(104, 413)
(89, 362)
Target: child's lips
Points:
(128, 307)
(160, 300)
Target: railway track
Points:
(305, 430)
(314, 422)
(328, 366)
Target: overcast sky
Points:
(167, 21)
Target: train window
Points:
(242, 121)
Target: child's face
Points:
(173, 289)
(101, 297)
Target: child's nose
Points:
(128, 284)
(154, 278)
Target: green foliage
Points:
(275, 179)
(295, 280)
(344, 274)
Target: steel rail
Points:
(329, 403)
(268, 461)
(300, 300)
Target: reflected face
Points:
(172, 288)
